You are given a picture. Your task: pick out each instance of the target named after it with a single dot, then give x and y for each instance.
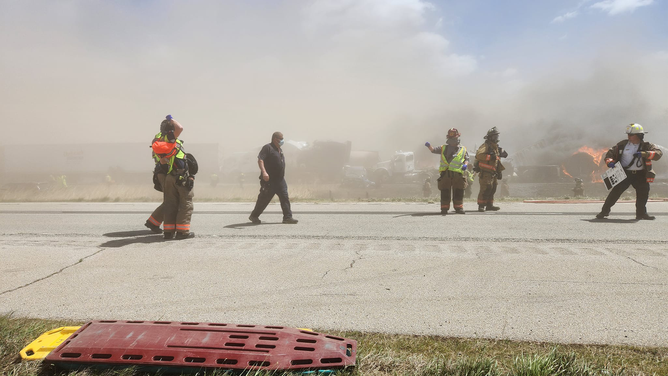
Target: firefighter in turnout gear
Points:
(488, 164)
(170, 130)
(452, 182)
(636, 156)
(177, 189)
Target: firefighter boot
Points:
(481, 208)
(184, 235)
(645, 216)
(460, 211)
(491, 207)
(154, 229)
(168, 235)
(603, 214)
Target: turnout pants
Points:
(267, 191)
(637, 179)
(177, 205)
(488, 184)
(452, 184)
(158, 215)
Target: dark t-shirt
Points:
(274, 162)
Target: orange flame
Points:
(563, 169)
(596, 154)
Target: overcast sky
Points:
(385, 74)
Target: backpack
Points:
(192, 164)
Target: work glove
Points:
(503, 153)
(638, 154)
(464, 167)
(427, 144)
(611, 164)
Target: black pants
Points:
(267, 191)
(639, 182)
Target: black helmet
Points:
(492, 135)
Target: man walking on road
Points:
(272, 180)
(636, 158)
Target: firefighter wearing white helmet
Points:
(636, 156)
(454, 162)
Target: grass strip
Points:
(388, 354)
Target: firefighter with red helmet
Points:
(635, 156)
(489, 166)
(452, 182)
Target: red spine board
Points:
(202, 345)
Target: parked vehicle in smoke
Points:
(356, 177)
(400, 169)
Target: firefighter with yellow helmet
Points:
(452, 182)
(489, 166)
(635, 156)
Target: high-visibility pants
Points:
(158, 214)
(452, 184)
(177, 205)
(488, 184)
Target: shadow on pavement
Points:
(133, 240)
(239, 226)
(127, 234)
(596, 220)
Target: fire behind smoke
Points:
(586, 163)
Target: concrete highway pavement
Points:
(540, 272)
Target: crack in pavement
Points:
(638, 262)
(52, 274)
(352, 263)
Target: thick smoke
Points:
(378, 73)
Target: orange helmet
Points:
(453, 132)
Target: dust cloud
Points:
(380, 74)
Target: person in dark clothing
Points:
(635, 156)
(272, 180)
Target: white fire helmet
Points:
(634, 129)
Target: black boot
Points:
(645, 216)
(481, 208)
(604, 214)
(460, 211)
(492, 208)
(155, 229)
(184, 235)
(168, 235)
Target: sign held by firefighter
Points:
(613, 176)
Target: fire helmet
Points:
(453, 133)
(634, 129)
(492, 134)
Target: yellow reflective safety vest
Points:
(457, 162)
(180, 154)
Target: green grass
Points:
(398, 355)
